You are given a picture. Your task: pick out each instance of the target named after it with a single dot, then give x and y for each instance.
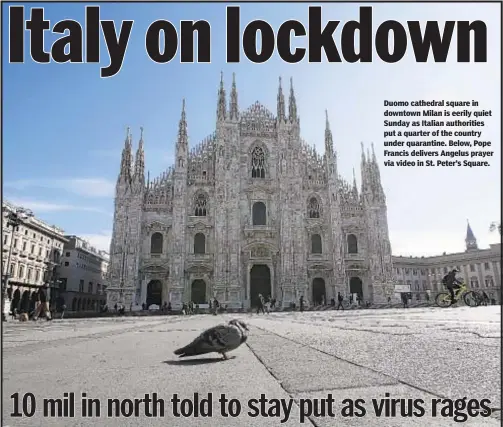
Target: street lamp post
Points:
(52, 281)
(14, 220)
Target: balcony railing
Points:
(317, 257)
(262, 230)
(206, 258)
(354, 257)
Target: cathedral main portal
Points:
(154, 293)
(260, 283)
(319, 291)
(356, 286)
(198, 292)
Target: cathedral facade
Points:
(250, 210)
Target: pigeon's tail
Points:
(186, 351)
(180, 352)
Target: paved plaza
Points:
(424, 353)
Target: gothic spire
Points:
(364, 171)
(374, 176)
(182, 128)
(221, 106)
(127, 158)
(355, 188)
(329, 143)
(182, 143)
(375, 165)
(281, 103)
(233, 103)
(292, 104)
(470, 240)
(139, 163)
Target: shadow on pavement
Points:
(192, 362)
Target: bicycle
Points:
(470, 298)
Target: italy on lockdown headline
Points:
(333, 42)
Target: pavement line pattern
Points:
(385, 380)
(278, 380)
(392, 380)
(36, 344)
(304, 358)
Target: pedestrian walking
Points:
(340, 298)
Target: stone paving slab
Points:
(450, 353)
(133, 363)
(288, 356)
(17, 333)
(301, 369)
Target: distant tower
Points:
(223, 147)
(124, 247)
(378, 244)
(334, 211)
(177, 250)
(470, 240)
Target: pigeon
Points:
(219, 339)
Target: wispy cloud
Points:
(99, 241)
(43, 207)
(87, 187)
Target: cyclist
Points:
(451, 283)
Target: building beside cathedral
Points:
(250, 210)
(31, 254)
(479, 268)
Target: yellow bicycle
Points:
(470, 298)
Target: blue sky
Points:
(64, 126)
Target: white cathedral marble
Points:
(251, 209)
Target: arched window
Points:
(352, 244)
(474, 282)
(313, 208)
(200, 205)
(316, 246)
(258, 163)
(259, 214)
(156, 243)
(489, 282)
(199, 243)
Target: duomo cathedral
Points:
(252, 209)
